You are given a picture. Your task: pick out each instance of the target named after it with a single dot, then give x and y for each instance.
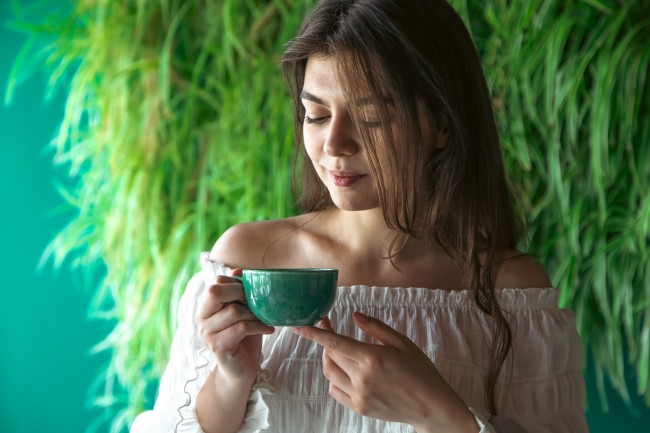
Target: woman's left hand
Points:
(391, 381)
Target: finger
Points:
(379, 330)
(336, 375)
(326, 324)
(225, 290)
(225, 318)
(228, 340)
(345, 363)
(330, 340)
(340, 395)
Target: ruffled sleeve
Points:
(189, 366)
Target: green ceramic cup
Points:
(290, 297)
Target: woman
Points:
(440, 325)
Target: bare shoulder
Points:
(252, 244)
(521, 270)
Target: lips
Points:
(345, 178)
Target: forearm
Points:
(220, 405)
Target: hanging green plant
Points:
(177, 126)
(571, 89)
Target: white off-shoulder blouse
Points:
(541, 388)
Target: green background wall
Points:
(45, 336)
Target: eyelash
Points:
(317, 120)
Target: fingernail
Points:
(297, 330)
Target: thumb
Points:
(379, 330)
(236, 272)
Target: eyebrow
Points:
(363, 101)
(311, 97)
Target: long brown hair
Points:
(419, 56)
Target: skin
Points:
(391, 379)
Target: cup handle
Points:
(239, 278)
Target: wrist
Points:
(458, 420)
(233, 385)
(457, 426)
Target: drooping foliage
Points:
(178, 125)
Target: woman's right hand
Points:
(230, 330)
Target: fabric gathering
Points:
(290, 394)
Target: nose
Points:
(342, 138)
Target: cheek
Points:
(310, 141)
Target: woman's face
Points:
(331, 139)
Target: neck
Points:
(367, 232)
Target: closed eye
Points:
(317, 120)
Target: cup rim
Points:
(291, 270)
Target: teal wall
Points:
(45, 336)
